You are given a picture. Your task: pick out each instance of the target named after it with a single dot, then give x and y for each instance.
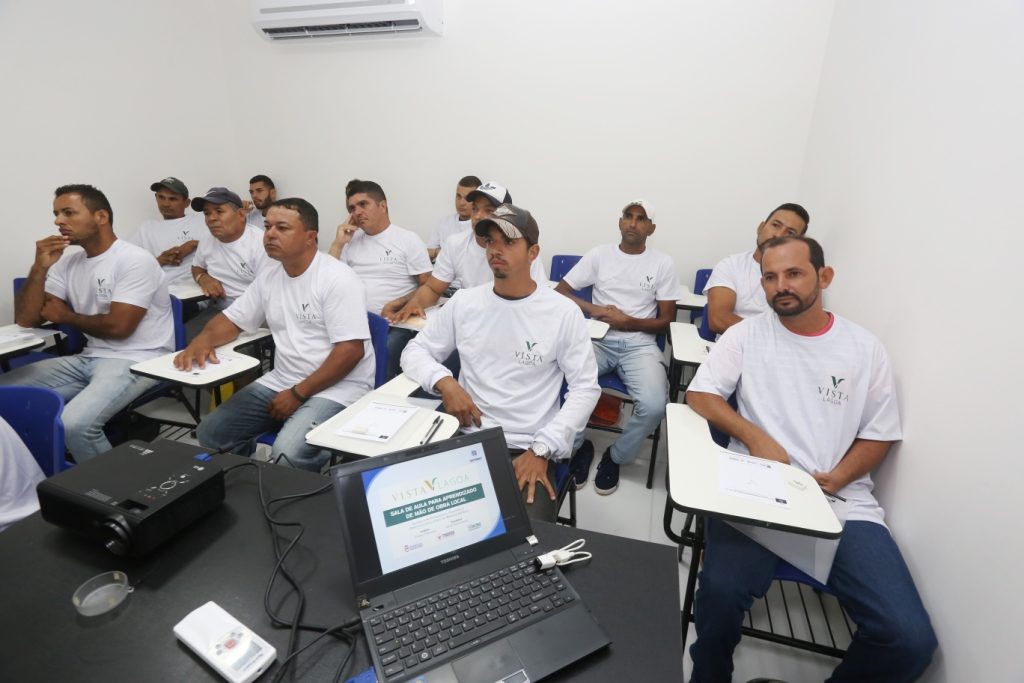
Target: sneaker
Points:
(579, 466)
(607, 478)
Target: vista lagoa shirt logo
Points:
(102, 290)
(833, 394)
(247, 269)
(306, 314)
(648, 284)
(529, 356)
(186, 235)
(388, 258)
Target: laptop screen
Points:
(416, 513)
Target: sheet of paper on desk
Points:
(211, 367)
(812, 556)
(16, 337)
(377, 422)
(752, 478)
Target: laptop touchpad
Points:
(492, 663)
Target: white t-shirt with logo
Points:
(234, 264)
(158, 235)
(447, 227)
(742, 274)
(308, 315)
(514, 356)
(634, 283)
(124, 273)
(463, 263)
(814, 395)
(19, 475)
(388, 263)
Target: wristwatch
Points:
(540, 449)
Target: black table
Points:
(631, 586)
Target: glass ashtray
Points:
(101, 593)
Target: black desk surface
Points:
(632, 588)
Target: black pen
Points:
(833, 495)
(434, 426)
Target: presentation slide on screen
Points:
(431, 506)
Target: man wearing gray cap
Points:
(518, 341)
(229, 260)
(173, 238)
(635, 292)
(463, 259)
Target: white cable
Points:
(563, 556)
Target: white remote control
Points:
(237, 653)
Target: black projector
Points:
(136, 496)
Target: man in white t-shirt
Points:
(116, 294)
(315, 308)
(19, 475)
(454, 223)
(263, 193)
(816, 391)
(734, 288)
(390, 260)
(464, 259)
(635, 292)
(228, 258)
(173, 238)
(518, 341)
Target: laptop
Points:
(442, 558)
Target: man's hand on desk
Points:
(195, 354)
(457, 402)
(532, 470)
(406, 312)
(211, 286)
(283, 405)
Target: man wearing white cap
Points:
(463, 259)
(635, 292)
(518, 341)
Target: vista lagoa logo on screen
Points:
(431, 486)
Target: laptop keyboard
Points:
(411, 636)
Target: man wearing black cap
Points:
(174, 238)
(462, 260)
(518, 341)
(225, 265)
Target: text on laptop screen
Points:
(426, 507)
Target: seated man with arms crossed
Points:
(635, 292)
(227, 260)
(316, 309)
(518, 340)
(815, 391)
(116, 294)
(734, 288)
(455, 223)
(463, 260)
(174, 237)
(390, 260)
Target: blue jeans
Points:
(397, 339)
(94, 389)
(641, 367)
(894, 639)
(244, 416)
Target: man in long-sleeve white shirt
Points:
(518, 340)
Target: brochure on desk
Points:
(813, 556)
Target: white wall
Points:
(915, 155)
(115, 93)
(577, 106)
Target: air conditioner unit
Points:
(295, 19)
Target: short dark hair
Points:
(93, 199)
(817, 253)
(368, 187)
(307, 212)
(470, 181)
(262, 179)
(795, 208)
